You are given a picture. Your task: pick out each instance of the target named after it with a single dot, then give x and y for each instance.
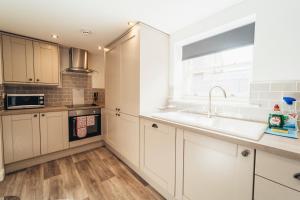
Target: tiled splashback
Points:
(266, 94)
(56, 96)
(263, 96)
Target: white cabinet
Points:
(17, 59)
(112, 129)
(112, 86)
(278, 172)
(27, 61)
(157, 146)
(133, 63)
(213, 169)
(21, 137)
(54, 131)
(129, 79)
(122, 134)
(46, 63)
(29, 135)
(269, 190)
(129, 137)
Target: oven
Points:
(84, 123)
(21, 101)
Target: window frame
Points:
(176, 63)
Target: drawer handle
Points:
(154, 126)
(245, 153)
(297, 176)
(35, 115)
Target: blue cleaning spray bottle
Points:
(290, 119)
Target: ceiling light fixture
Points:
(106, 49)
(99, 48)
(54, 36)
(86, 32)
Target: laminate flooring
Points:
(91, 175)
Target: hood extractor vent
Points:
(78, 61)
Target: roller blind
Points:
(235, 38)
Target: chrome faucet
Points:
(209, 102)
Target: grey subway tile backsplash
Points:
(284, 86)
(57, 96)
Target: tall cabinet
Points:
(134, 63)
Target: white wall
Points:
(277, 38)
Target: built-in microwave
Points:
(21, 101)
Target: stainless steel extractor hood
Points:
(78, 61)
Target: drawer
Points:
(279, 169)
(268, 190)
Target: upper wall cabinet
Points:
(17, 60)
(133, 64)
(27, 61)
(46, 67)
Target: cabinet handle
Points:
(245, 153)
(297, 176)
(35, 115)
(30, 79)
(37, 80)
(43, 115)
(116, 109)
(154, 126)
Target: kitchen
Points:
(128, 101)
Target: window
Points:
(225, 59)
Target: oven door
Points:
(92, 128)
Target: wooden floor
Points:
(92, 175)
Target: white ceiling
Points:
(106, 19)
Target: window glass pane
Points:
(230, 69)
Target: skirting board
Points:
(52, 156)
(140, 173)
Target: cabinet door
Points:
(268, 190)
(46, 65)
(158, 154)
(214, 169)
(17, 59)
(112, 85)
(21, 137)
(129, 138)
(130, 75)
(112, 127)
(54, 131)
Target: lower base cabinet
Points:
(29, 135)
(269, 190)
(122, 134)
(54, 131)
(21, 137)
(157, 157)
(212, 169)
(276, 177)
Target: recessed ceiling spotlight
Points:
(99, 48)
(54, 36)
(86, 32)
(131, 23)
(106, 49)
